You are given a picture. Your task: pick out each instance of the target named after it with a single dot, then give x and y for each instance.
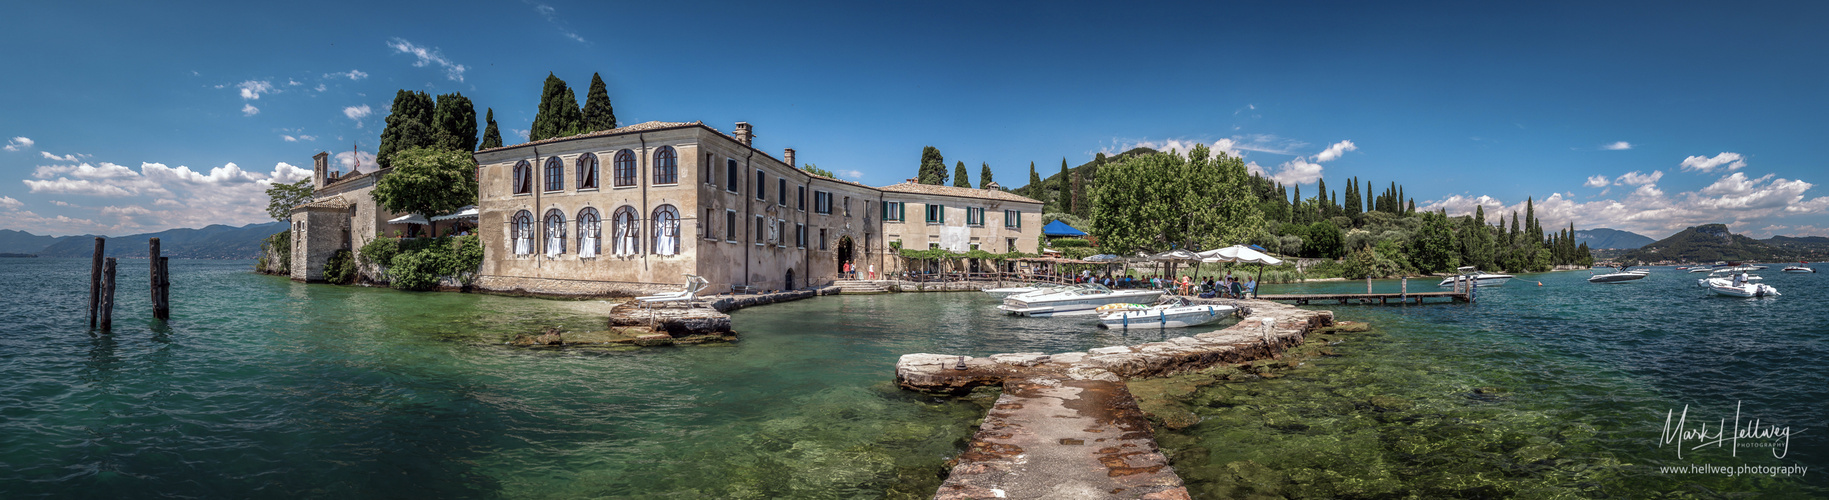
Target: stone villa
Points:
(680, 198)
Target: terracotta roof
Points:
(917, 188)
(639, 127)
(335, 202)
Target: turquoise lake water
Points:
(261, 387)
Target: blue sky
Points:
(1649, 117)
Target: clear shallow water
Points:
(264, 387)
(1538, 391)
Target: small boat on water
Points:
(1174, 312)
(1470, 273)
(1733, 288)
(1707, 282)
(1621, 276)
(1019, 290)
(1701, 269)
(1800, 268)
(1079, 299)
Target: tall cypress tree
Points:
(1066, 194)
(1035, 181)
(598, 114)
(984, 175)
(409, 125)
(559, 115)
(1326, 206)
(455, 123)
(1080, 206)
(492, 136)
(960, 178)
(933, 167)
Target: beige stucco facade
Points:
(343, 215)
(744, 217)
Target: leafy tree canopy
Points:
(429, 182)
(815, 170)
(454, 122)
(559, 115)
(933, 167)
(282, 198)
(598, 114)
(409, 125)
(959, 176)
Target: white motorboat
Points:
(1019, 290)
(1730, 288)
(1701, 269)
(1709, 281)
(1174, 312)
(1621, 276)
(1799, 269)
(1469, 273)
(1081, 299)
(1735, 269)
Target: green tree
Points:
(559, 115)
(933, 167)
(1433, 249)
(409, 125)
(1323, 239)
(429, 182)
(598, 114)
(454, 123)
(1160, 201)
(1063, 196)
(960, 178)
(492, 136)
(984, 175)
(282, 198)
(815, 170)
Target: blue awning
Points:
(1058, 228)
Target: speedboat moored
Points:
(1081, 299)
(1731, 288)
(1620, 276)
(1174, 312)
(1470, 273)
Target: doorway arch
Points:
(789, 283)
(844, 255)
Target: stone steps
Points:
(859, 286)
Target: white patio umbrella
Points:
(1243, 254)
(1177, 256)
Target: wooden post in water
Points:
(1368, 284)
(161, 308)
(95, 281)
(152, 265)
(107, 297)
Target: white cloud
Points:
(296, 138)
(548, 12)
(1733, 161)
(851, 174)
(354, 74)
(252, 89)
(293, 83)
(357, 113)
(1334, 151)
(1742, 202)
(9, 203)
(320, 88)
(61, 203)
(427, 56)
(249, 110)
(1596, 181)
(64, 185)
(72, 157)
(127, 210)
(347, 161)
(1297, 171)
(285, 173)
(1617, 146)
(1634, 178)
(18, 143)
(152, 198)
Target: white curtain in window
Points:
(555, 234)
(626, 232)
(666, 230)
(590, 230)
(522, 227)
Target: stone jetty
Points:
(706, 316)
(1066, 426)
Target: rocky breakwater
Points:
(696, 321)
(1066, 426)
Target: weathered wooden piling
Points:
(106, 307)
(152, 264)
(95, 281)
(162, 308)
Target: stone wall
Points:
(550, 287)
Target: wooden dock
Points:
(1368, 298)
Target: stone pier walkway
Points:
(1067, 428)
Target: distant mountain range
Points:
(1713, 242)
(216, 241)
(1602, 238)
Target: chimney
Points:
(745, 134)
(788, 156)
(320, 166)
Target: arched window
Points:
(587, 171)
(626, 231)
(590, 233)
(555, 233)
(555, 174)
(520, 230)
(666, 230)
(523, 178)
(625, 168)
(666, 166)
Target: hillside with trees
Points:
(1713, 242)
